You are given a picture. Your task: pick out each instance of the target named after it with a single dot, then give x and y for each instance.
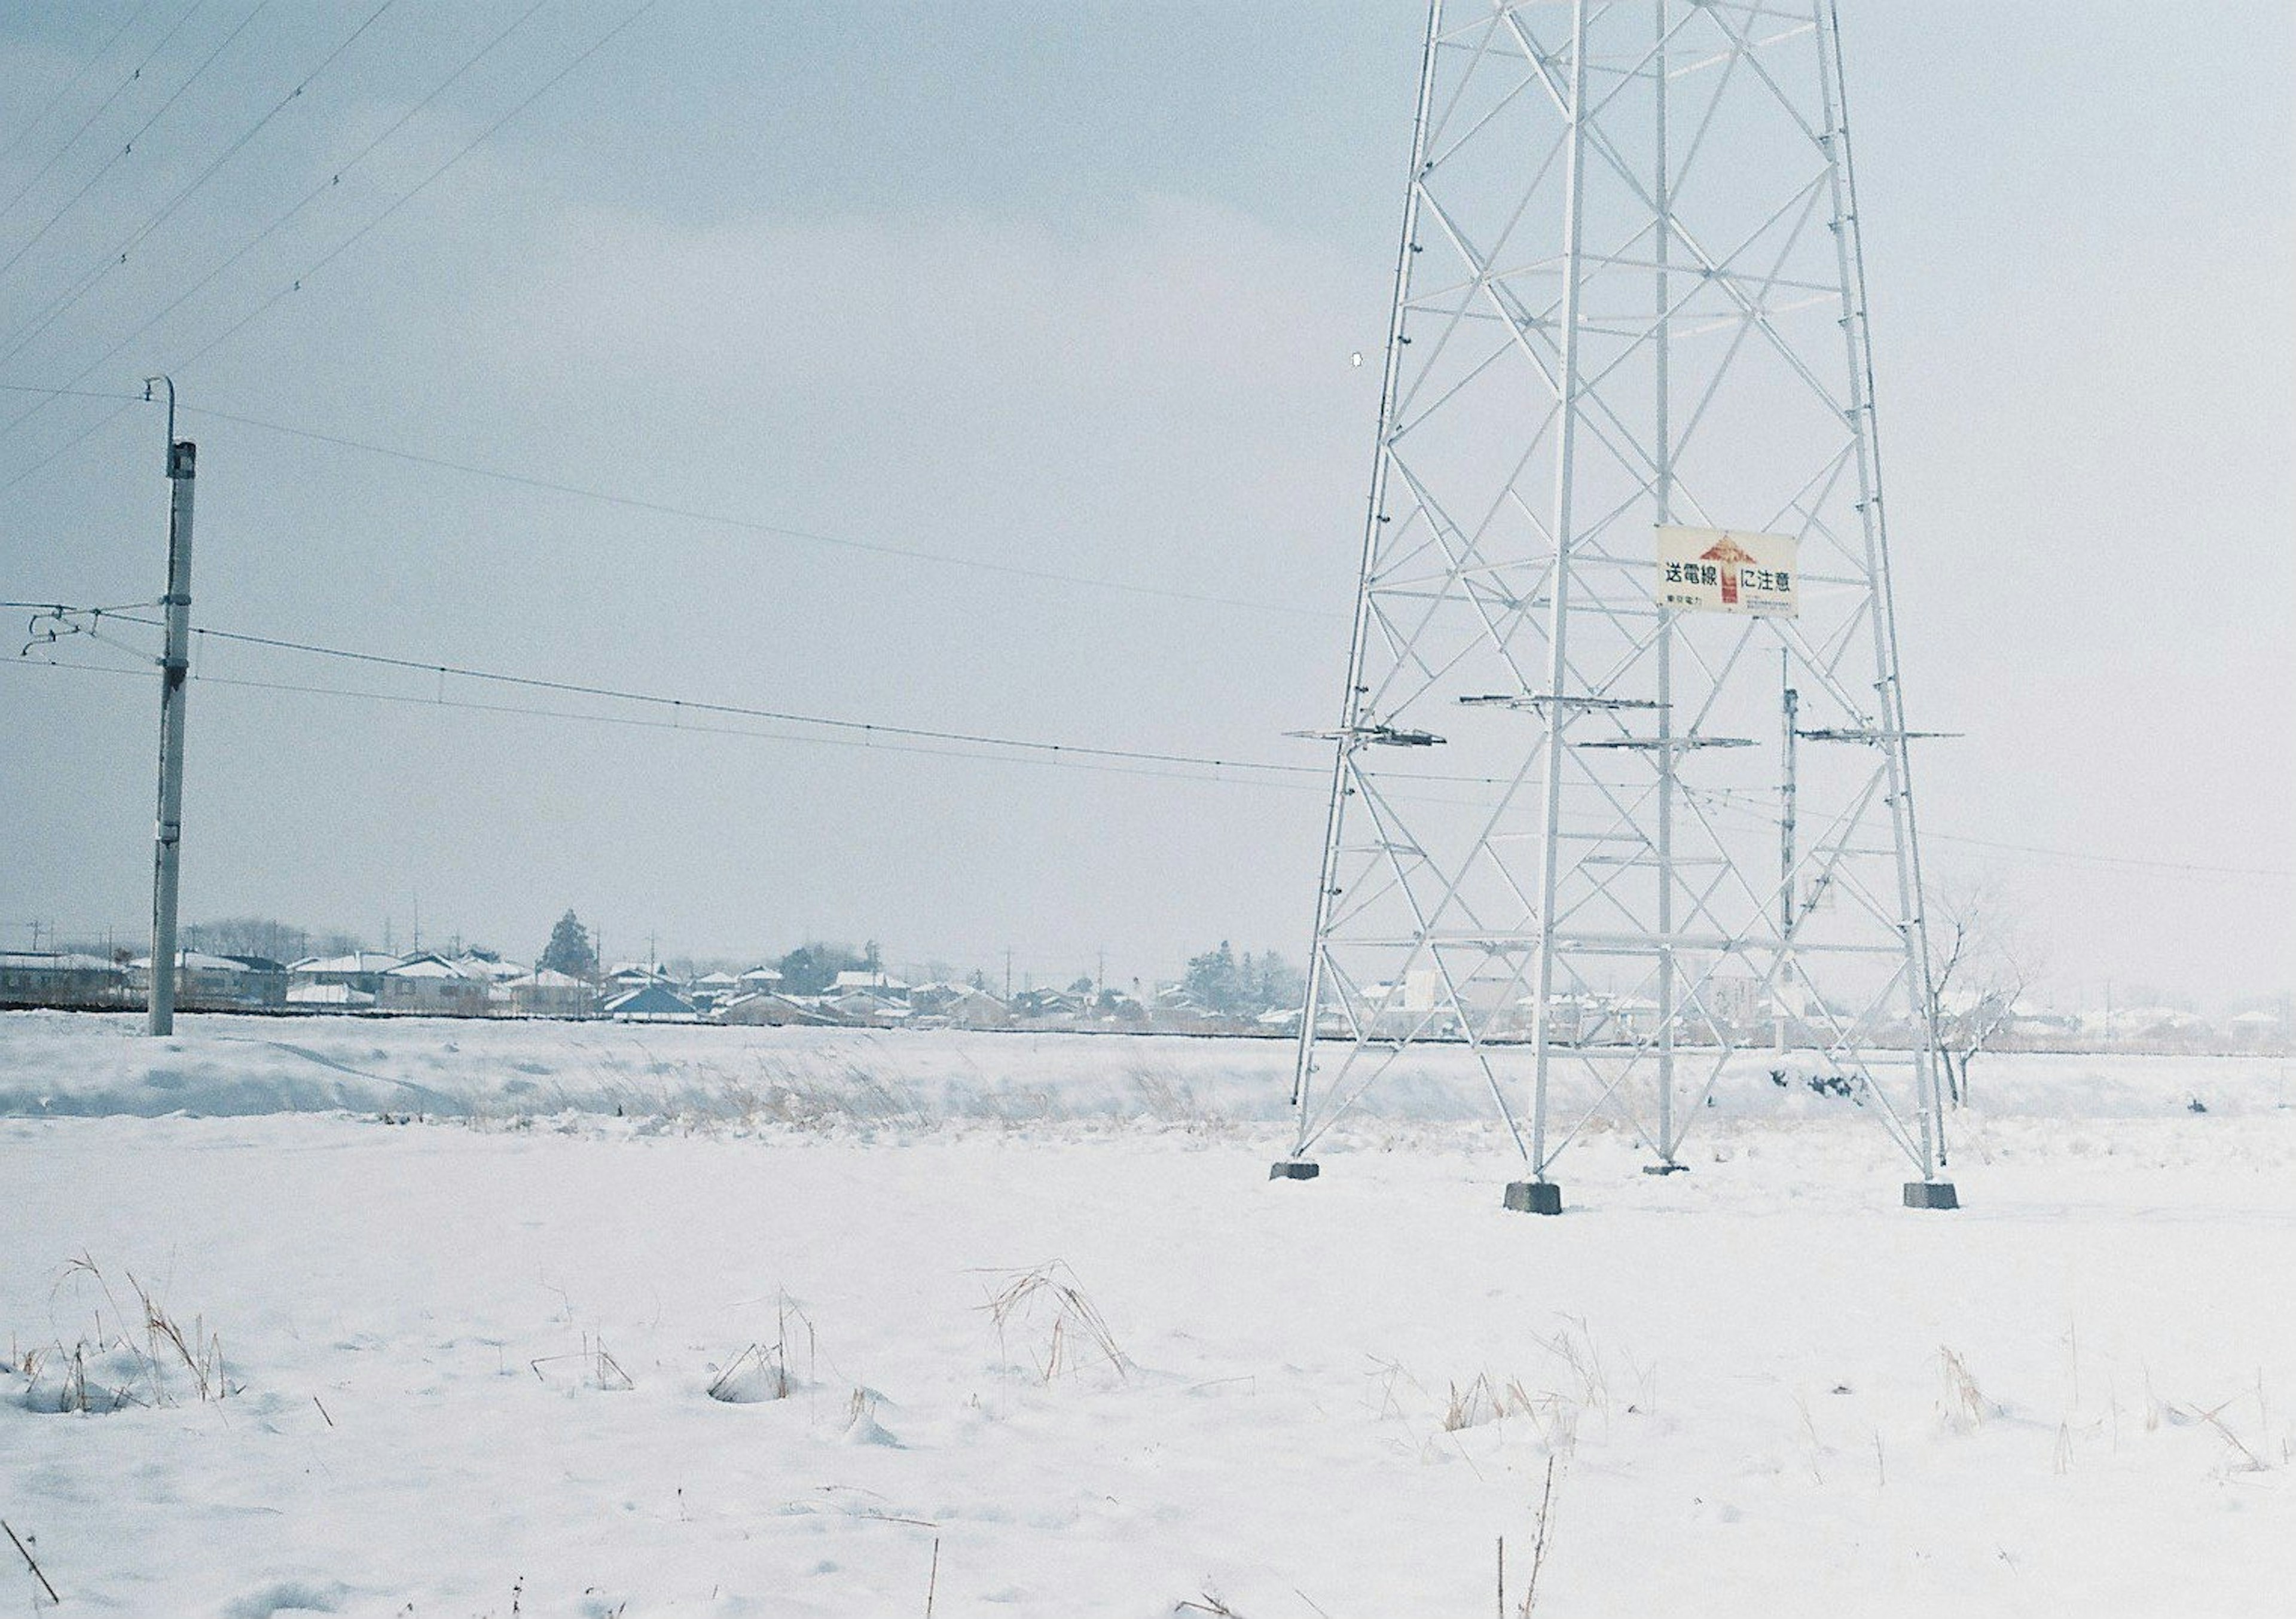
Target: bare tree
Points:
(1980, 967)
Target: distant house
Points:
(651, 1003)
(766, 1009)
(957, 1006)
(491, 970)
(329, 998)
(876, 983)
(713, 988)
(212, 983)
(760, 980)
(433, 986)
(868, 1009)
(547, 992)
(60, 978)
(361, 970)
(1051, 1005)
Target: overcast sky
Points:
(1072, 291)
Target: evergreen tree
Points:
(1245, 985)
(811, 969)
(570, 950)
(1213, 980)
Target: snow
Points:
(102, 1063)
(471, 1359)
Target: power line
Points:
(1736, 802)
(2188, 867)
(72, 83)
(425, 183)
(341, 248)
(69, 393)
(882, 739)
(743, 711)
(777, 530)
(874, 734)
(141, 130)
(332, 182)
(143, 233)
(686, 513)
(119, 90)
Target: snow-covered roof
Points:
(761, 974)
(358, 961)
(194, 961)
(494, 968)
(862, 1003)
(547, 978)
(718, 979)
(651, 999)
(53, 960)
(862, 978)
(427, 966)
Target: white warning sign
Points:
(1727, 570)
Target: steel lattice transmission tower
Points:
(1584, 839)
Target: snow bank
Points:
(56, 1064)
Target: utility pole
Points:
(175, 672)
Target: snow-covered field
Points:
(471, 1359)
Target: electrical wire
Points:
(424, 184)
(344, 246)
(683, 708)
(119, 256)
(742, 711)
(864, 733)
(119, 90)
(879, 738)
(72, 83)
(141, 130)
(333, 181)
(632, 502)
(1749, 808)
(776, 530)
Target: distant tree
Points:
(1214, 980)
(1242, 987)
(570, 950)
(1980, 967)
(1275, 984)
(978, 980)
(1082, 986)
(249, 935)
(811, 969)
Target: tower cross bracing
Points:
(1606, 846)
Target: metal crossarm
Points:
(1628, 312)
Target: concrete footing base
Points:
(1668, 1168)
(1534, 1197)
(1930, 1194)
(1293, 1169)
